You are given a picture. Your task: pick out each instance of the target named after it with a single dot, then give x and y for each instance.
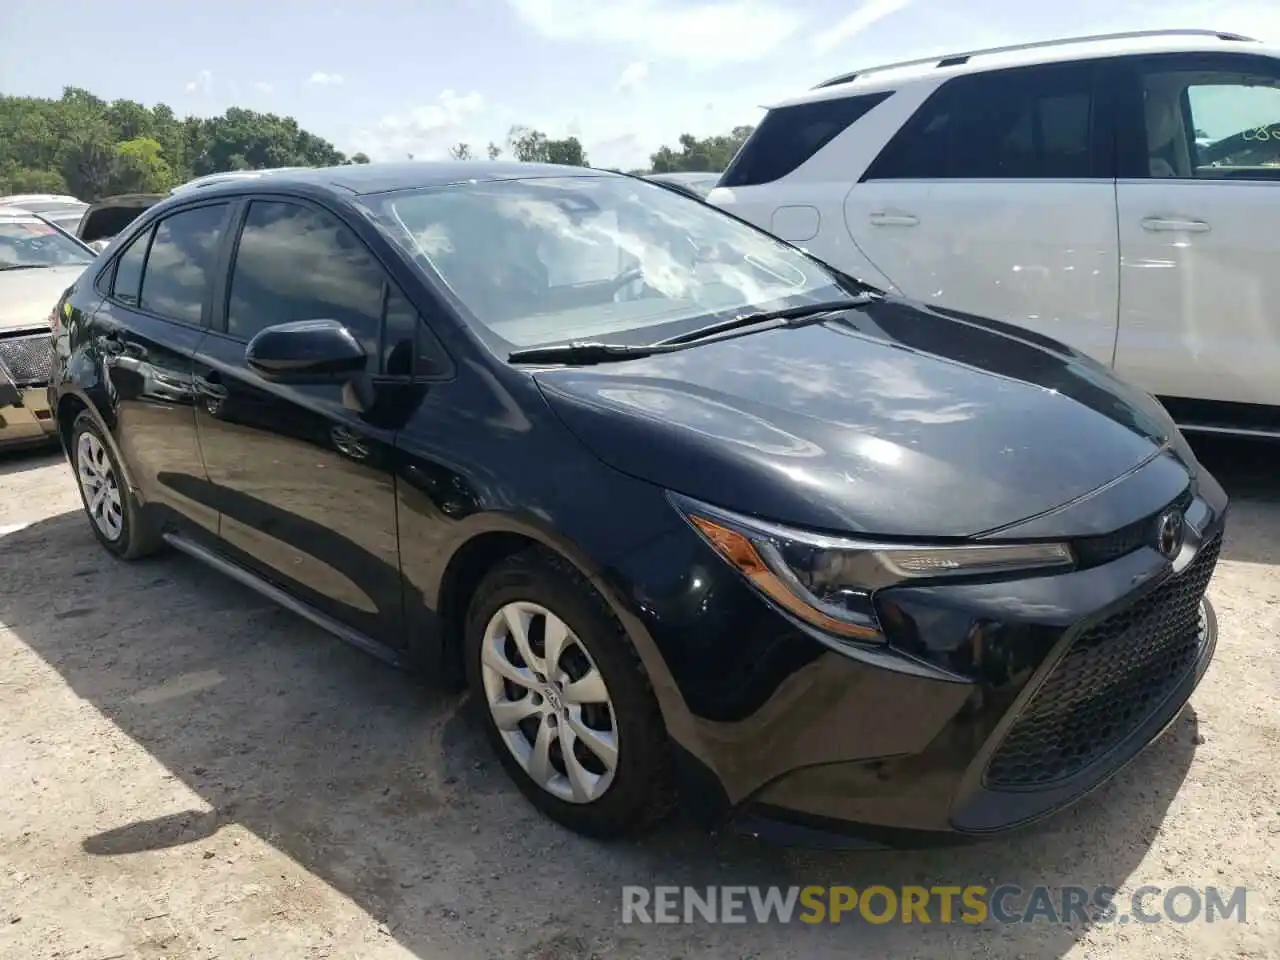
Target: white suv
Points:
(1118, 193)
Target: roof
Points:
(128, 200)
(946, 64)
(18, 199)
(366, 178)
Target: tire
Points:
(637, 793)
(118, 521)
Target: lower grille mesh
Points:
(27, 357)
(1110, 680)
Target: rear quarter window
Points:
(788, 136)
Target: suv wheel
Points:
(113, 513)
(565, 700)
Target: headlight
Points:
(828, 582)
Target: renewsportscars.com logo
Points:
(1007, 904)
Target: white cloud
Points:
(1255, 18)
(706, 33)
(322, 79)
(262, 86)
(202, 84)
(633, 76)
(868, 14)
(427, 131)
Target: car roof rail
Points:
(955, 59)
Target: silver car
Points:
(38, 261)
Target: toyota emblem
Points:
(1169, 530)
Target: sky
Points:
(398, 77)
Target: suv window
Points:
(128, 278)
(1029, 123)
(181, 262)
(1212, 124)
(788, 136)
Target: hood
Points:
(897, 420)
(28, 296)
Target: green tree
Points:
(23, 180)
(493, 150)
(87, 166)
(81, 144)
(567, 151)
(139, 167)
(533, 146)
(711, 155)
(461, 151)
(527, 145)
(359, 158)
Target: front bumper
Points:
(1026, 741)
(826, 806)
(994, 705)
(25, 417)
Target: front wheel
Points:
(565, 700)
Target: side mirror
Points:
(99, 245)
(305, 351)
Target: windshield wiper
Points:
(786, 317)
(585, 352)
(26, 266)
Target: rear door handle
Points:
(1160, 224)
(894, 220)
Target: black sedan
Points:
(697, 518)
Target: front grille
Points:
(1103, 548)
(27, 357)
(1111, 680)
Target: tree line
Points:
(707, 155)
(82, 145)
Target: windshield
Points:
(554, 259)
(67, 219)
(30, 242)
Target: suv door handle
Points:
(1156, 224)
(894, 220)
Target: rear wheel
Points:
(564, 699)
(114, 515)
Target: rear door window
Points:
(788, 136)
(1031, 123)
(128, 279)
(180, 265)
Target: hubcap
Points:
(98, 483)
(549, 702)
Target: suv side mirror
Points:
(305, 351)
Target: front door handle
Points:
(1160, 224)
(893, 220)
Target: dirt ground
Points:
(188, 772)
